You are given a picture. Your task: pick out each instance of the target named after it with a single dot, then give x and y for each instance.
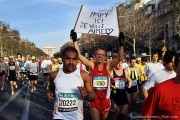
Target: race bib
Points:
(22, 69)
(45, 71)
(67, 102)
(120, 84)
(100, 82)
(2, 68)
(134, 82)
(12, 67)
(33, 70)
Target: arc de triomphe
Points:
(50, 50)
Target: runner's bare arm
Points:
(6, 68)
(51, 92)
(86, 62)
(83, 59)
(17, 68)
(145, 93)
(128, 78)
(120, 57)
(88, 91)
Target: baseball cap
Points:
(33, 57)
(138, 58)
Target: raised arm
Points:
(120, 57)
(83, 59)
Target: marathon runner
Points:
(70, 86)
(12, 74)
(101, 70)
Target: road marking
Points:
(12, 97)
(25, 113)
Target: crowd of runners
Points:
(102, 82)
(23, 69)
(116, 83)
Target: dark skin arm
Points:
(87, 92)
(51, 92)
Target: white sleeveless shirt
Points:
(68, 101)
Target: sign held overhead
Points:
(103, 22)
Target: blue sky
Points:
(47, 22)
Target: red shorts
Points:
(102, 105)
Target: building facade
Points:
(151, 22)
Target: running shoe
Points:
(32, 90)
(47, 88)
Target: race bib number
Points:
(120, 84)
(100, 82)
(67, 102)
(134, 82)
(33, 70)
(12, 67)
(45, 71)
(22, 69)
(2, 68)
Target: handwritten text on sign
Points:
(102, 22)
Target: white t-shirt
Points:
(124, 65)
(152, 68)
(157, 78)
(33, 68)
(45, 65)
(26, 64)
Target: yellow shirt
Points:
(55, 67)
(141, 68)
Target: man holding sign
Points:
(100, 71)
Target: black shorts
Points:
(12, 78)
(2, 73)
(119, 97)
(33, 77)
(22, 72)
(132, 89)
(46, 74)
